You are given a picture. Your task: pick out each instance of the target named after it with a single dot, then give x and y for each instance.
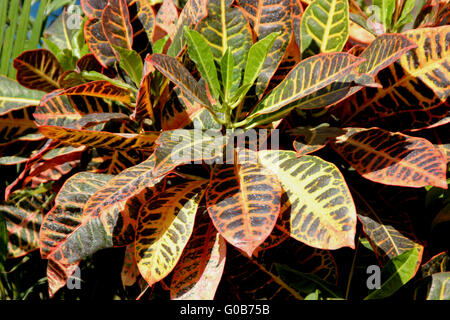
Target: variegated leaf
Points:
(226, 27)
(322, 212)
(116, 24)
(38, 69)
(199, 271)
(13, 96)
(307, 77)
(244, 201)
(392, 158)
(165, 226)
(324, 27)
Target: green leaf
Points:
(227, 27)
(256, 57)
(324, 27)
(200, 52)
(55, 49)
(396, 273)
(130, 61)
(226, 69)
(159, 45)
(94, 76)
(13, 96)
(66, 59)
(440, 286)
(384, 15)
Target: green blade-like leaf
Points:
(200, 52)
(324, 27)
(256, 57)
(396, 273)
(385, 12)
(226, 27)
(266, 17)
(130, 61)
(226, 69)
(7, 46)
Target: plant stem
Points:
(352, 270)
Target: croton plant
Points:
(259, 147)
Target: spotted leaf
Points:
(199, 271)
(305, 78)
(322, 212)
(243, 201)
(165, 226)
(24, 212)
(392, 158)
(417, 83)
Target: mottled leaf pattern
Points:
(307, 77)
(98, 42)
(66, 216)
(322, 213)
(417, 83)
(165, 226)
(244, 201)
(24, 214)
(100, 139)
(392, 158)
(198, 273)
